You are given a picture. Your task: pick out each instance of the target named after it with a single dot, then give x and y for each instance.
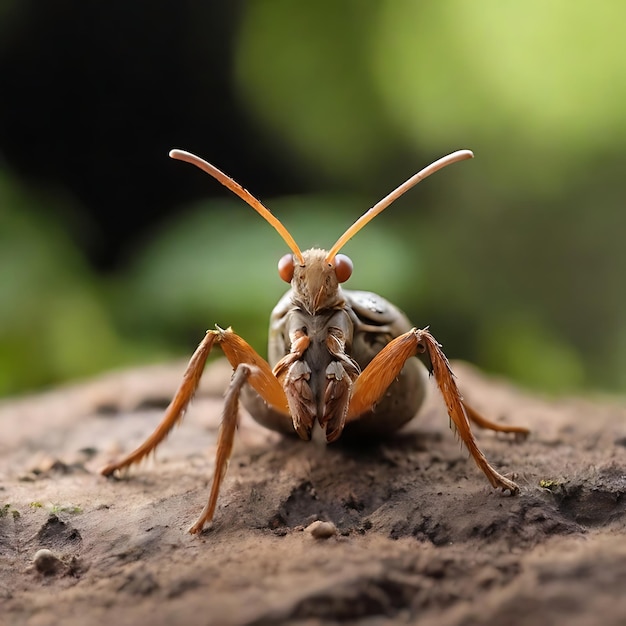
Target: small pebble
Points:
(46, 562)
(321, 530)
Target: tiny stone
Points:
(321, 530)
(46, 562)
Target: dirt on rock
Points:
(418, 535)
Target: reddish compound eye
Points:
(285, 267)
(343, 268)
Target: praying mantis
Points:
(338, 360)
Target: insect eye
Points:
(285, 267)
(343, 268)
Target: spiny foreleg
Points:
(386, 366)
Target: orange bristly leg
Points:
(521, 432)
(252, 369)
(176, 408)
(249, 367)
(230, 418)
(386, 366)
(261, 379)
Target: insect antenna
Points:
(244, 194)
(454, 157)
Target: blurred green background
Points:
(112, 254)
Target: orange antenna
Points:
(245, 195)
(459, 155)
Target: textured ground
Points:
(421, 536)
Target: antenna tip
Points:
(175, 154)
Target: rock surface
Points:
(420, 535)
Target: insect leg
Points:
(261, 378)
(428, 346)
(482, 422)
(249, 367)
(252, 369)
(387, 364)
(176, 408)
(230, 418)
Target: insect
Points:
(338, 360)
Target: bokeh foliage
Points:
(515, 259)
